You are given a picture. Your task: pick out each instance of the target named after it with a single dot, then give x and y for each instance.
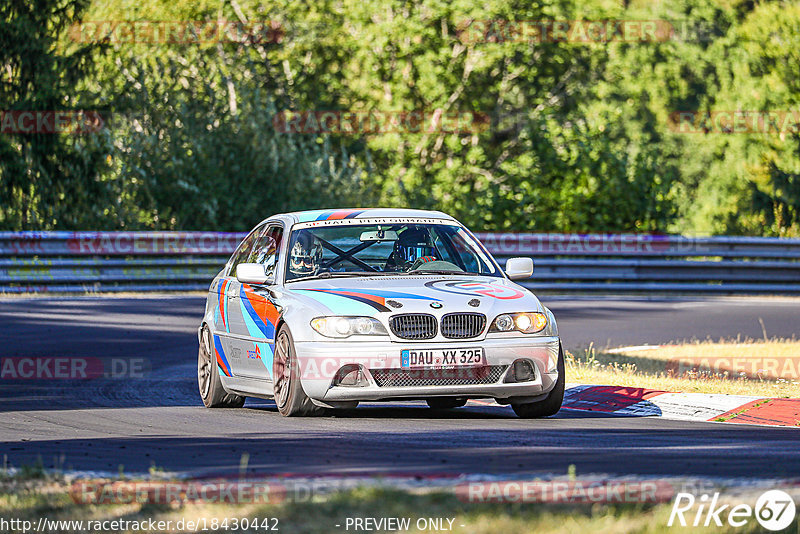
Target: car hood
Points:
(371, 296)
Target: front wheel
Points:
(552, 404)
(289, 395)
(208, 380)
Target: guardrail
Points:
(71, 262)
(654, 263)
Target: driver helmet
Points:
(305, 258)
(413, 244)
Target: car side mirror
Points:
(252, 273)
(519, 268)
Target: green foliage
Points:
(759, 174)
(196, 161)
(47, 180)
(579, 136)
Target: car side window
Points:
(267, 249)
(245, 249)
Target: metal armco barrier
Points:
(80, 262)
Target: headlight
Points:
(348, 326)
(527, 323)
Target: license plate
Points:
(412, 358)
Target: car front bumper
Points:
(319, 362)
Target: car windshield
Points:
(375, 249)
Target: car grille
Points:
(463, 376)
(463, 325)
(413, 326)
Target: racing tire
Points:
(552, 404)
(211, 391)
(290, 398)
(446, 403)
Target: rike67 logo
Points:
(774, 510)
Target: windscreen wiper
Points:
(442, 271)
(339, 274)
(329, 274)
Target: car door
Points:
(258, 311)
(227, 318)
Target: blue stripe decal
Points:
(339, 304)
(384, 293)
(308, 216)
(221, 352)
(225, 313)
(255, 325)
(324, 215)
(267, 356)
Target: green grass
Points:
(34, 498)
(652, 368)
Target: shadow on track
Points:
(320, 447)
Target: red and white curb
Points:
(632, 401)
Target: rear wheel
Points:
(552, 404)
(208, 380)
(446, 403)
(289, 395)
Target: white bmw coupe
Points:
(324, 309)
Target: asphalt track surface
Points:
(158, 420)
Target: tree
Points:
(48, 180)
